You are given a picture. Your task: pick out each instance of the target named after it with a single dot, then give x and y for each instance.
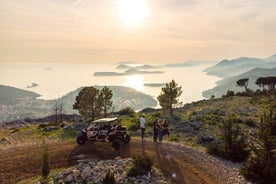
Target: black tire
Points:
(116, 144)
(81, 140)
(127, 139)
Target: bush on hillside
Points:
(261, 165)
(212, 148)
(141, 166)
(229, 93)
(134, 127)
(233, 142)
(45, 162)
(126, 111)
(109, 178)
(250, 123)
(173, 137)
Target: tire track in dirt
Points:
(25, 162)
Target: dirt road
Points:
(180, 164)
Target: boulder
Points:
(86, 173)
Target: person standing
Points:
(166, 132)
(143, 125)
(155, 130)
(160, 130)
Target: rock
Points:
(187, 129)
(117, 158)
(50, 128)
(4, 140)
(69, 178)
(76, 173)
(92, 163)
(86, 173)
(95, 175)
(58, 176)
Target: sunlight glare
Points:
(135, 81)
(132, 12)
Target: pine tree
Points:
(169, 96)
(106, 95)
(89, 103)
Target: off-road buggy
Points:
(105, 130)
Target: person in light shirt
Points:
(143, 125)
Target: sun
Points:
(135, 81)
(133, 12)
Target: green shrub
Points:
(142, 165)
(212, 148)
(250, 123)
(233, 142)
(134, 127)
(109, 178)
(261, 165)
(173, 137)
(126, 111)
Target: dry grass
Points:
(23, 162)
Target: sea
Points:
(53, 80)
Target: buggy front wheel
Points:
(116, 144)
(81, 140)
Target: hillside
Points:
(230, 83)
(188, 127)
(10, 95)
(19, 104)
(233, 67)
(122, 97)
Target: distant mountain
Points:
(228, 68)
(19, 104)
(122, 97)
(189, 64)
(271, 58)
(230, 83)
(10, 95)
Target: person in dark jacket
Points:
(155, 130)
(160, 130)
(166, 132)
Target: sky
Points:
(156, 31)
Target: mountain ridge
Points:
(27, 105)
(229, 83)
(233, 67)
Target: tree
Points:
(169, 96)
(261, 164)
(45, 170)
(58, 109)
(55, 108)
(89, 103)
(233, 144)
(234, 141)
(243, 83)
(106, 95)
(261, 82)
(271, 81)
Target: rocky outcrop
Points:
(94, 171)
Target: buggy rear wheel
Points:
(116, 144)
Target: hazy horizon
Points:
(54, 80)
(146, 31)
